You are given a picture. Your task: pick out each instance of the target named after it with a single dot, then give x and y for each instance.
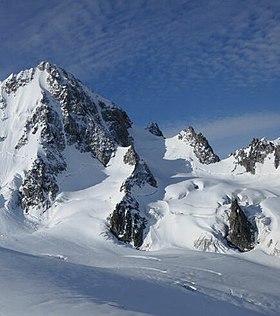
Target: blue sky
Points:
(211, 64)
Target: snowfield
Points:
(69, 262)
(50, 276)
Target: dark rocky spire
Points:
(241, 233)
(202, 149)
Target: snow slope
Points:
(69, 275)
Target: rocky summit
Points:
(201, 147)
(71, 156)
(257, 152)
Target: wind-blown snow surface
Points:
(74, 277)
(68, 263)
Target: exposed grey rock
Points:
(209, 243)
(13, 82)
(131, 157)
(47, 120)
(118, 123)
(90, 124)
(154, 129)
(126, 223)
(257, 152)
(202, 149)
(276, 156)
(39, 187)
(241, 233)
(141, 174)
(3, 103)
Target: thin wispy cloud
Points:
(227, 134)
(236, 41)
(178, 58)
(255, 124)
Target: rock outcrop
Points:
(154, 129)
(141, 174)
(241, 233)
(39, 187)
(257, 151)
(128, 221)
(90, 123)
(201, 147)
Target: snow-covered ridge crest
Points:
(14, 81)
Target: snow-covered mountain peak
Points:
(200, 145)
(24, 77)
(40, 93)
(44, 110)
(54, 116)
